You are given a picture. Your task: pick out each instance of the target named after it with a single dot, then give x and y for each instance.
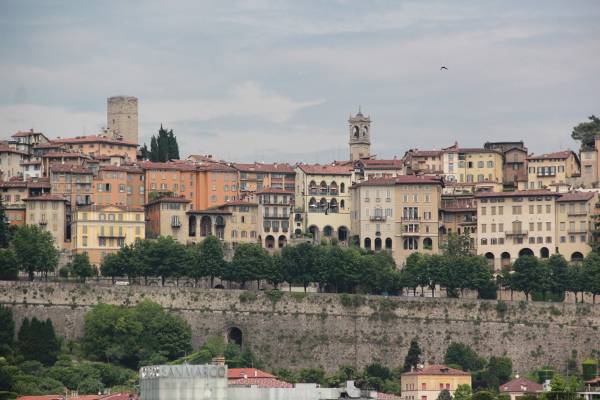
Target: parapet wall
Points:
(296, 330)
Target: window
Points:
(532, 226)
(484, 242)
(423, 386)
(483, 228)
(516, 210)
(548, 226)
(500, 210)
(483, 211)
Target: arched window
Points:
(368, 243)
(244, 234)
(342, 233)
(490, 258)
(427, 243)
(312, 187)
(355, 131)
(576, 257)
(333, 188)
(192, 225)
(525, 252)
(342, 188)
(544, 252)
(411, 243)
(312, 204)
(388, 244)
(327, 231)
(234, 335)
(233, 234)
(323, 187)
(323, 204)
(270, 242)
(342, 204)
(281, 241)
(333, 206)
(505, 259)
(377, 244)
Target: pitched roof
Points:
(175, 166)
(521, 385)
(425, 153)
(437, 369)
(72, 168)
(518, 193)
(261, 167)
(471, 150)
(26, 133)
(402, 180)
(169, 199)
(261, 382)
(46, 197)
(237, 373)
(577, 196)
(274, 191)
(64, 154)
(6, 149)
(123, 168)
(370, 163)
(326, 169)
(48, 145)
(238, 203)
(387, 396)
(559, 155)
(95, 139)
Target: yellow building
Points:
(473, 165)
(275, 213)
(399, 215)
(100, 230)
(167, 216)
(426, 383)
(51, 213)
(547, 170)
(575, 224)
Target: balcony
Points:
(576, 231)
(277, 216)
(175, 224)
(516, 233)
(411, 219)
(377, 218)
(43, 222)
(577, 213)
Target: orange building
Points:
(217, 184)
(119, 185)
(256, 176)
(72, 182)
(172, 178)
(94, 145)
(61, 157)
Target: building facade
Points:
(167, 216)
(469, 165)
(589, 167)
(100, 145)
(11, 162)
(427, 382)
(575, 224)
(50, 213)
(275, 217)
(359, 128)
(73, 182)
(547, 170)
(119, 185)
(122, 117)
(458, 214)
(257, 176)
(373, 168)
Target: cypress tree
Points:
(4, 235)
(153, 149)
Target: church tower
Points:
(360, 136)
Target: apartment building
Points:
(423, 161)
(10, 162)
(400, 215)
(13, 193)
(426, 383)
(100, 230)
(551, 169)
(257, 176)
(119, 185)
(170, 178)
(26, 140)
(458, 214)
(515, 162)
(167, 216)
(275, 217)
(367, 168)
(589, 167)
(62, 157)
(470, 165)
(217, 184)
(72, 182)
(533, 222)
(32, 169)
(96, 145)
(322, 201)
(52, 213)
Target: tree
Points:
(4, 227)
(250, 261)
(457, 245)
(34, 249)
(312, 375)
(412, 357)
(576, 281)
(463, 392)
(36, 340)
(81, 267)
(164, 257)
(208, 260)
(112, 266)
(444, 395)
(9, 268)
(163, 146)
(483, 395)
(529, 275)
(7, 330)
(591, 271)
(275, 272)
(589, 369)
(586, 132)
(299, 264)
(559, 274)
(463, 355)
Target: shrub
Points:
(248, 297)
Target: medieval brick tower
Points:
(122, 117)
(360, 136)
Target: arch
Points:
(342, 204)
(577, 257)
(333, 188)
(505, 259)
(388, 243)
(427, 243)
(219, 220)
(342, 233)
(312, 187)
(323, 204)
(377, 244)
(270, 242)
(342, 188)
(298, 232)
(526, 252)
(411, 243)
(235, 335)
(192, 225)
(368, 243)
(281, 241)
(327, 231)
(314, 230)
(333, 206)
(312, 204)
(489, 256)
(205, 226)
(220, 227)
(323, 187)
(219, 286)
(355, 131)
(544, 252)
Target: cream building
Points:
(100, 230)
(472, 165)
(575, 224)
(547, 170)
(167, 216)
(400, 215)
(323, 201)
(427, 382)
(275, 217)
(589, 168)
(51, 213)
(10, 162)
(423, 161)
(373, 168)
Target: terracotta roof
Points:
(119, 396)
(559, 155)
(74, 169)
(238, 203)
(327, 169)
(402, 180)
(169, 199)
(49, 145)
(237, 373)
(261, 382)
(216, 166)
(381, 164)
(64, 154)
(44, 397)
(94, 139)
(436, 369)
(471, 150)
(96, 207)
(179, 166)
(26, 133)
(123, 168)
(425, 153)
(261, 167)
(521, 385)
(518, 193)
(46, 197)
(387, 396)
(577, 196)
(6, 149)
(7, 184)
(273, 190)
(34, 162)
(201, 158)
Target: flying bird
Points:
(443, 67)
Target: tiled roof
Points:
(326, 169)
(521, 385)
(7, 184)
(201, 158)
(215, 166)
(436, 369)
(402, 180)
(64, 154)
(26, 133)
(274, 191)
(46, 197)
(261, 382)
(518, 193)
(48, 145)
(119, 396)
(381, 164)
(559, 155)
(6, 149)
(74, 169)
(123, 168)
(425, 153)
(261, 167)
(94, 139)
(174, 166)
(44, 397)
(169, 199)
(237, 373)
(576, 196)
(238, 203)
(471, 150)
(387, 396)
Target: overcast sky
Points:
(276, 81)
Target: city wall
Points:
(296, 330)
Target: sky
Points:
(272, 81)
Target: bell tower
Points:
(360, 136)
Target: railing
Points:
(413, 218)
(576, 213)
(577, 231)
(377, 218)
(175, 224)
(516, 233)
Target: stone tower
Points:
(122, 117)
(360, 136)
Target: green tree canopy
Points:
(463, 392)
(413, 356)
(463, 355)
(9, 267)
(34, 249)
(7, 330)
(529, 275)
(81, 267)
(208, 259)
(36, 340)
(163, 146)
(586, 132)
(444, 395)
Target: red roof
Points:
(64, 154)
(45, 397)
(261, 382)
(381, 164)
(74, 169)
(517, 193)
(261, 167)
(318, 169)
(238, 373)
(273, 190)
(425, 153)
(577, 196)
(436, 369)
(521, 385)
(46, 197)
(48, 145)
(559, 155)
(402, 180)
(95, 139)
(238, 203)
(26, 133)
(6, 149)
(119, 396)
(175, 166)
(470, 150)
(387, 396)
(123, 168)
